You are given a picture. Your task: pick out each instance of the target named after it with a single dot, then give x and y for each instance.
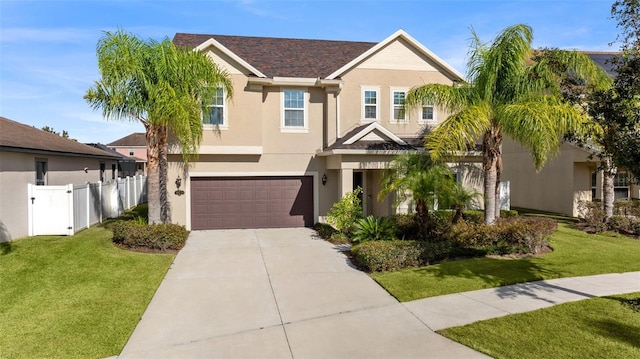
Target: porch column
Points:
(346, 181)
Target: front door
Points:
(358, 181)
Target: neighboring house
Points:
(133, 146)
(565, 180)
(309, 121)
(30, 155)
(126, 166)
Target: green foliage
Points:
(523, 235)
(73, 296)
(625, 225)
(375, 256)
(160, 237)
(507, 95)
(592, 215)
(627, 208)
(344, 213)
(406, 225)
(324, 230)
(373, 229)
(583, 329)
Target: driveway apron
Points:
(277, 293)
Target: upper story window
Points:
(397, 109)
(41, 172)
(131, 152)
(216, 114)
(294, 110)
(370, 101)
(427, 113)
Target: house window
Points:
(594, 180)
(397, 110)
(370, 104)
(41, 172)
(131, 152)
(427, 113)
(294, 110)
(621, 185)
(103, 168)
(215, 115)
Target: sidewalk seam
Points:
(273, 293)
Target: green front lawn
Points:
(607, 327)
(575, 254)
(73, 297)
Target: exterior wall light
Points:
(324, 179)
(179, 192)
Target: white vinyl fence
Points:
(65, 210)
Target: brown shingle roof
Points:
(412, 143)
(136, 139)
(15, 136)
(282, 57)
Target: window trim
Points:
(365, 89)
(305, 111)
(225, 123)
(392, 105)
(423, 121)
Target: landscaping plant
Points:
(373, 229)
(344, 213)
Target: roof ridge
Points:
(276, 38)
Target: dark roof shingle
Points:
(136, 139)
(282, 57)
(18, 136)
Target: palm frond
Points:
(459, 131)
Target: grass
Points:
(593, 328)
(575, 254)
(73, 297)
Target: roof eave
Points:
(231, 54)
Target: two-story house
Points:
(309, 121)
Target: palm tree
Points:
(416, 175)
(507, 94)
(166, 89)
(458, 198)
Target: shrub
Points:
(627, 208)
(473, 216)
(160, 237)
(406, 225)
(325, 231)
(375, 256)
(373, 229)
(625, 225)
(592, 215)
(518, 235)
(344, 213)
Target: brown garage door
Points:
(251, 202)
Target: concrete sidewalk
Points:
(468, 307)
(279, 293)
(282, 293)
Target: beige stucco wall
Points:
(18, 169)
(254, 144)
(385, 81)
(562, 182)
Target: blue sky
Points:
(47, 48)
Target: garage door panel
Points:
(251, 202)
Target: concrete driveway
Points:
(277, 293)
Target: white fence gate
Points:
(65, 210)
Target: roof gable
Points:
(367, 58)
(17, 136)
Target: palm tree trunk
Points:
(423, 217)
(490, 158)
(608, 176)
(153, 191)
(498, 176)
(162, 174)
